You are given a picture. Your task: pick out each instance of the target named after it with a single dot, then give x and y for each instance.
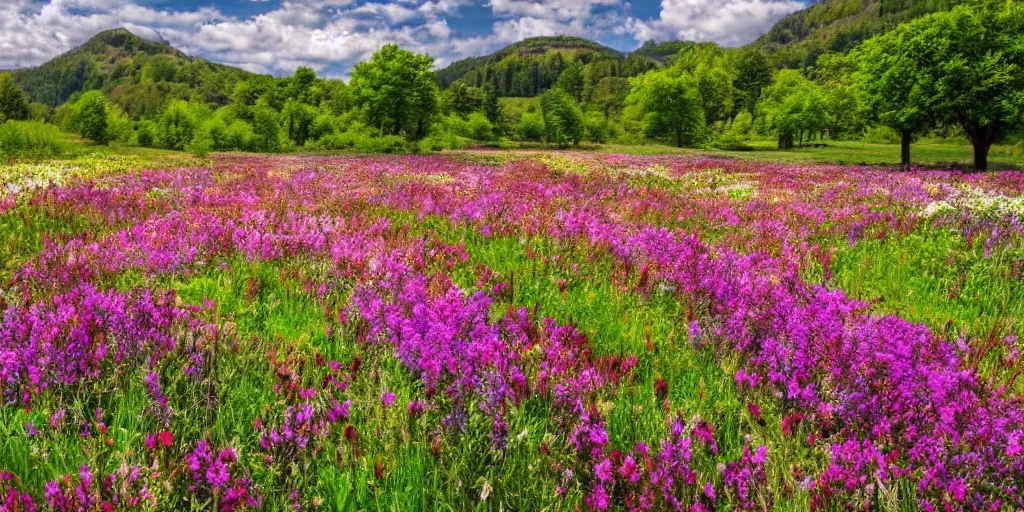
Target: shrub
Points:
(146, 133)
(596, 126)
(531, 127)
(29, 138)
(479, 128)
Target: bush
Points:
(146, 133)
(596, 127)
(239, 136)
(479, 128)
(29, 139)
(359, 139)
(531, 127)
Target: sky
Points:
(277, 36)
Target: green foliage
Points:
(160, 68)
(570, 80)
(531, 127)
(396, 92)
(13, 103)
(669, 107)
(793, 107)
(29, 139)
(563, 118)
(708, 65)
(753, 74)
(146, 133)
(461, 100)
(479, 127)
(179, 122)
(266, 132)
(596, 127)
(88, 117)
(297, 119)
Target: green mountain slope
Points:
(532, 66)
(837, 26)
(136, 73)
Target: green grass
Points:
(942, 154)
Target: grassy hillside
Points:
(136, 73)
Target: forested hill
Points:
(532, 66)
(135, 72)
(837, 26)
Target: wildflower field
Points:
(490, 331)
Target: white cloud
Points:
(727, 22)
(332, 35)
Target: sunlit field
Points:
(508, 331)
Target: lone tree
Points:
(793, 107)
(669, 106)
(396, 91)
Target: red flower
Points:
(166, 438)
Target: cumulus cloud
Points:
(727, 22)
(332, 35)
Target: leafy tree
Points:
(971, 65)
(596, 127)
(714, 76)
(146, 131)
(336, 97)
(668, 106)
(179, 122)
(297, 119)
(160, 68)
(266, 132)
(396, 91)
(891, 82)
(492, 109)
(479, 127)
(793, 107)
(13, 102)
(462, 100)
(609, 95)
(89, 117)
(301, 86)
(563, 118)
(531, 127)
(753, 74)
(322, 125)
(571, 80)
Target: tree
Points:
(13, 102)
(462, 100)
(160, 68)
(297, 119)
(714, 76)
(753, 74)
(492, 109)
(301, 85)
(90, 116)
(266, 132)
(668, 106)
(563, 118)
(531, 127)
(177, 125)
(890, 81)
(792, 107)
(396, 91)
(971, 62)
(571, 80)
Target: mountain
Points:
(837, 26)
(138, 73)
(533, 65)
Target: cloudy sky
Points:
(276, 36)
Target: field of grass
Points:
(510, 331)
(943, 154)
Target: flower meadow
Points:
(491, 331)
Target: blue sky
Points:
(277, 36)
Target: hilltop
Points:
(133, 70)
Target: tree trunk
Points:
(905, 136)
(679, 137)
(981, 144)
